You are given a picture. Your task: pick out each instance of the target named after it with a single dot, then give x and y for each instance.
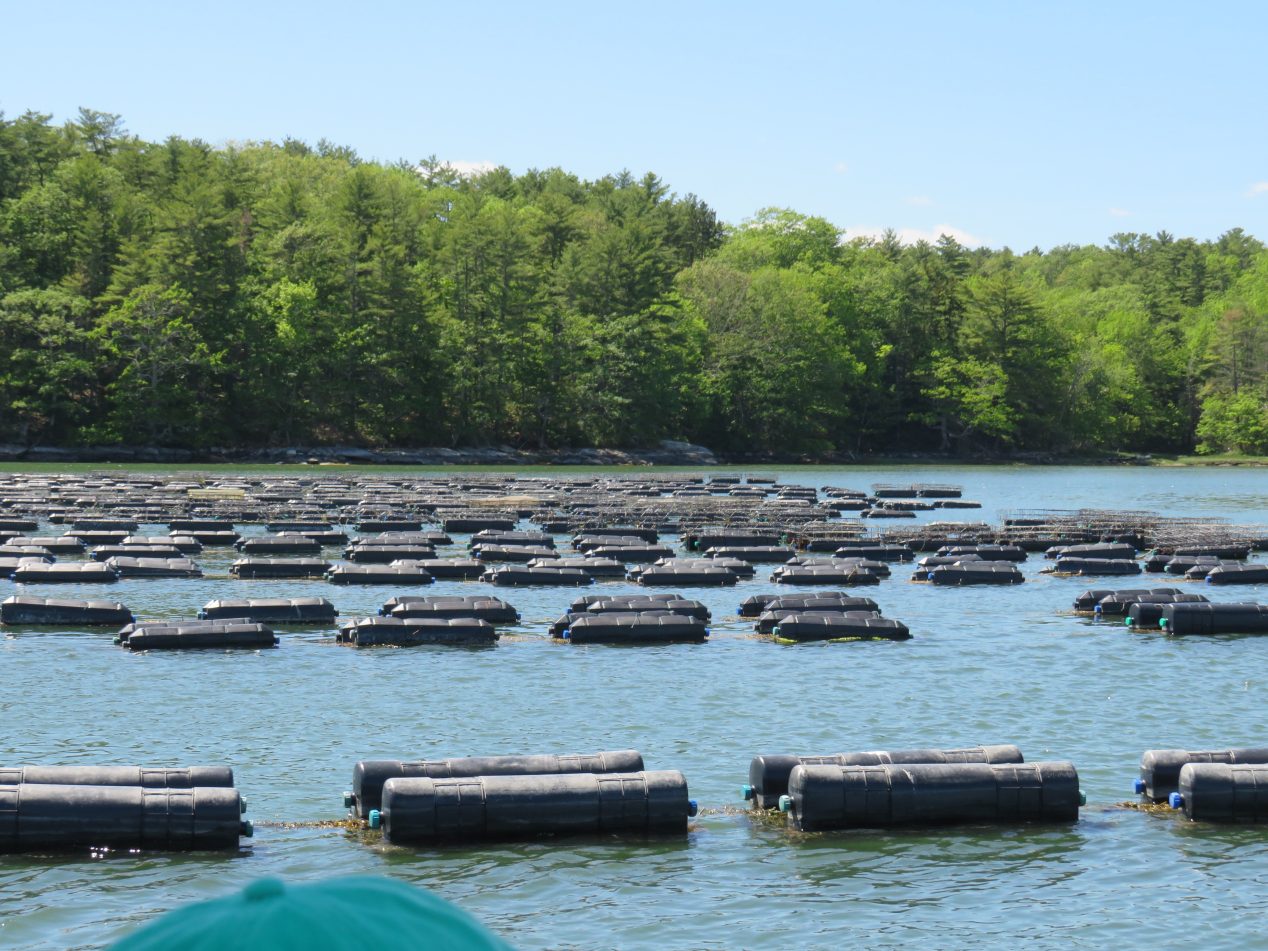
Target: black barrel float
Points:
(395, 573)
(1214, 618)
(196, 635)
(987, 552)
(34, 571)
(1223, 792)
(154, 567)
(513, 554)
(595, 567)
(514, 539)
(703, 574)
(1095, 566)
(493, 610)
(1160, 769)
(279, 545)
(653, 627)
(149, 777)
(819, 601)
(846, 574)
(976, 573)
(522, 577)
(874, 552)
(768, 774)
(1089, 599)
(584, 602)
(647, 602)
(365, 554)
(109, 552)
(470, 525)
(36, 817)
(913, 794)
(824, 626)
(368, 776)
(512, 807)
(452, 569)
(57, 611)
(279, 568)
(410, 632)
(1120, 603)
(1097, 551)
(185, 544)
(1238, 574)
(270, 610)
(754, 553)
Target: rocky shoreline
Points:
(665, 453)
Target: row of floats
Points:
(408, 620)
(506, 557)
(1173, 611)
(490, 798)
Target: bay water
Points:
(984, 665)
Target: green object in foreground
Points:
(346, 914)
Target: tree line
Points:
(180, 294)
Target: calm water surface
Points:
(985, 665)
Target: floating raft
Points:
(31, 571)
(924, 794)
(368, 776)
(1222, 792)
(43, 816)
(63, 613)
(768, 774)
(653, 627)
(271, 610)
(410, 573)
(411, 632)
(154, 567)
(493, 610)
(1160, 769)
(196, 635)
(423, 810)
(279, 568)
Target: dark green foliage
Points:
(179, 294)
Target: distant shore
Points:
(667, 453)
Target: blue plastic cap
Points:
(693, 807)
(376, 818)
(1175, 801)
(747, 792)
(1139, 786)
(785, 803)
(567, 636)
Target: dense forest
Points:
(180, 294)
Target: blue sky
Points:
(1015, 124)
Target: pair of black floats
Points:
(500, 797)
(993, 784)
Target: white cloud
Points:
(1119, 213)
(919, 201)
(913, 235)
(468, 169)
(840, 168)
(1259, 188)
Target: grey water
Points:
(985, 665)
